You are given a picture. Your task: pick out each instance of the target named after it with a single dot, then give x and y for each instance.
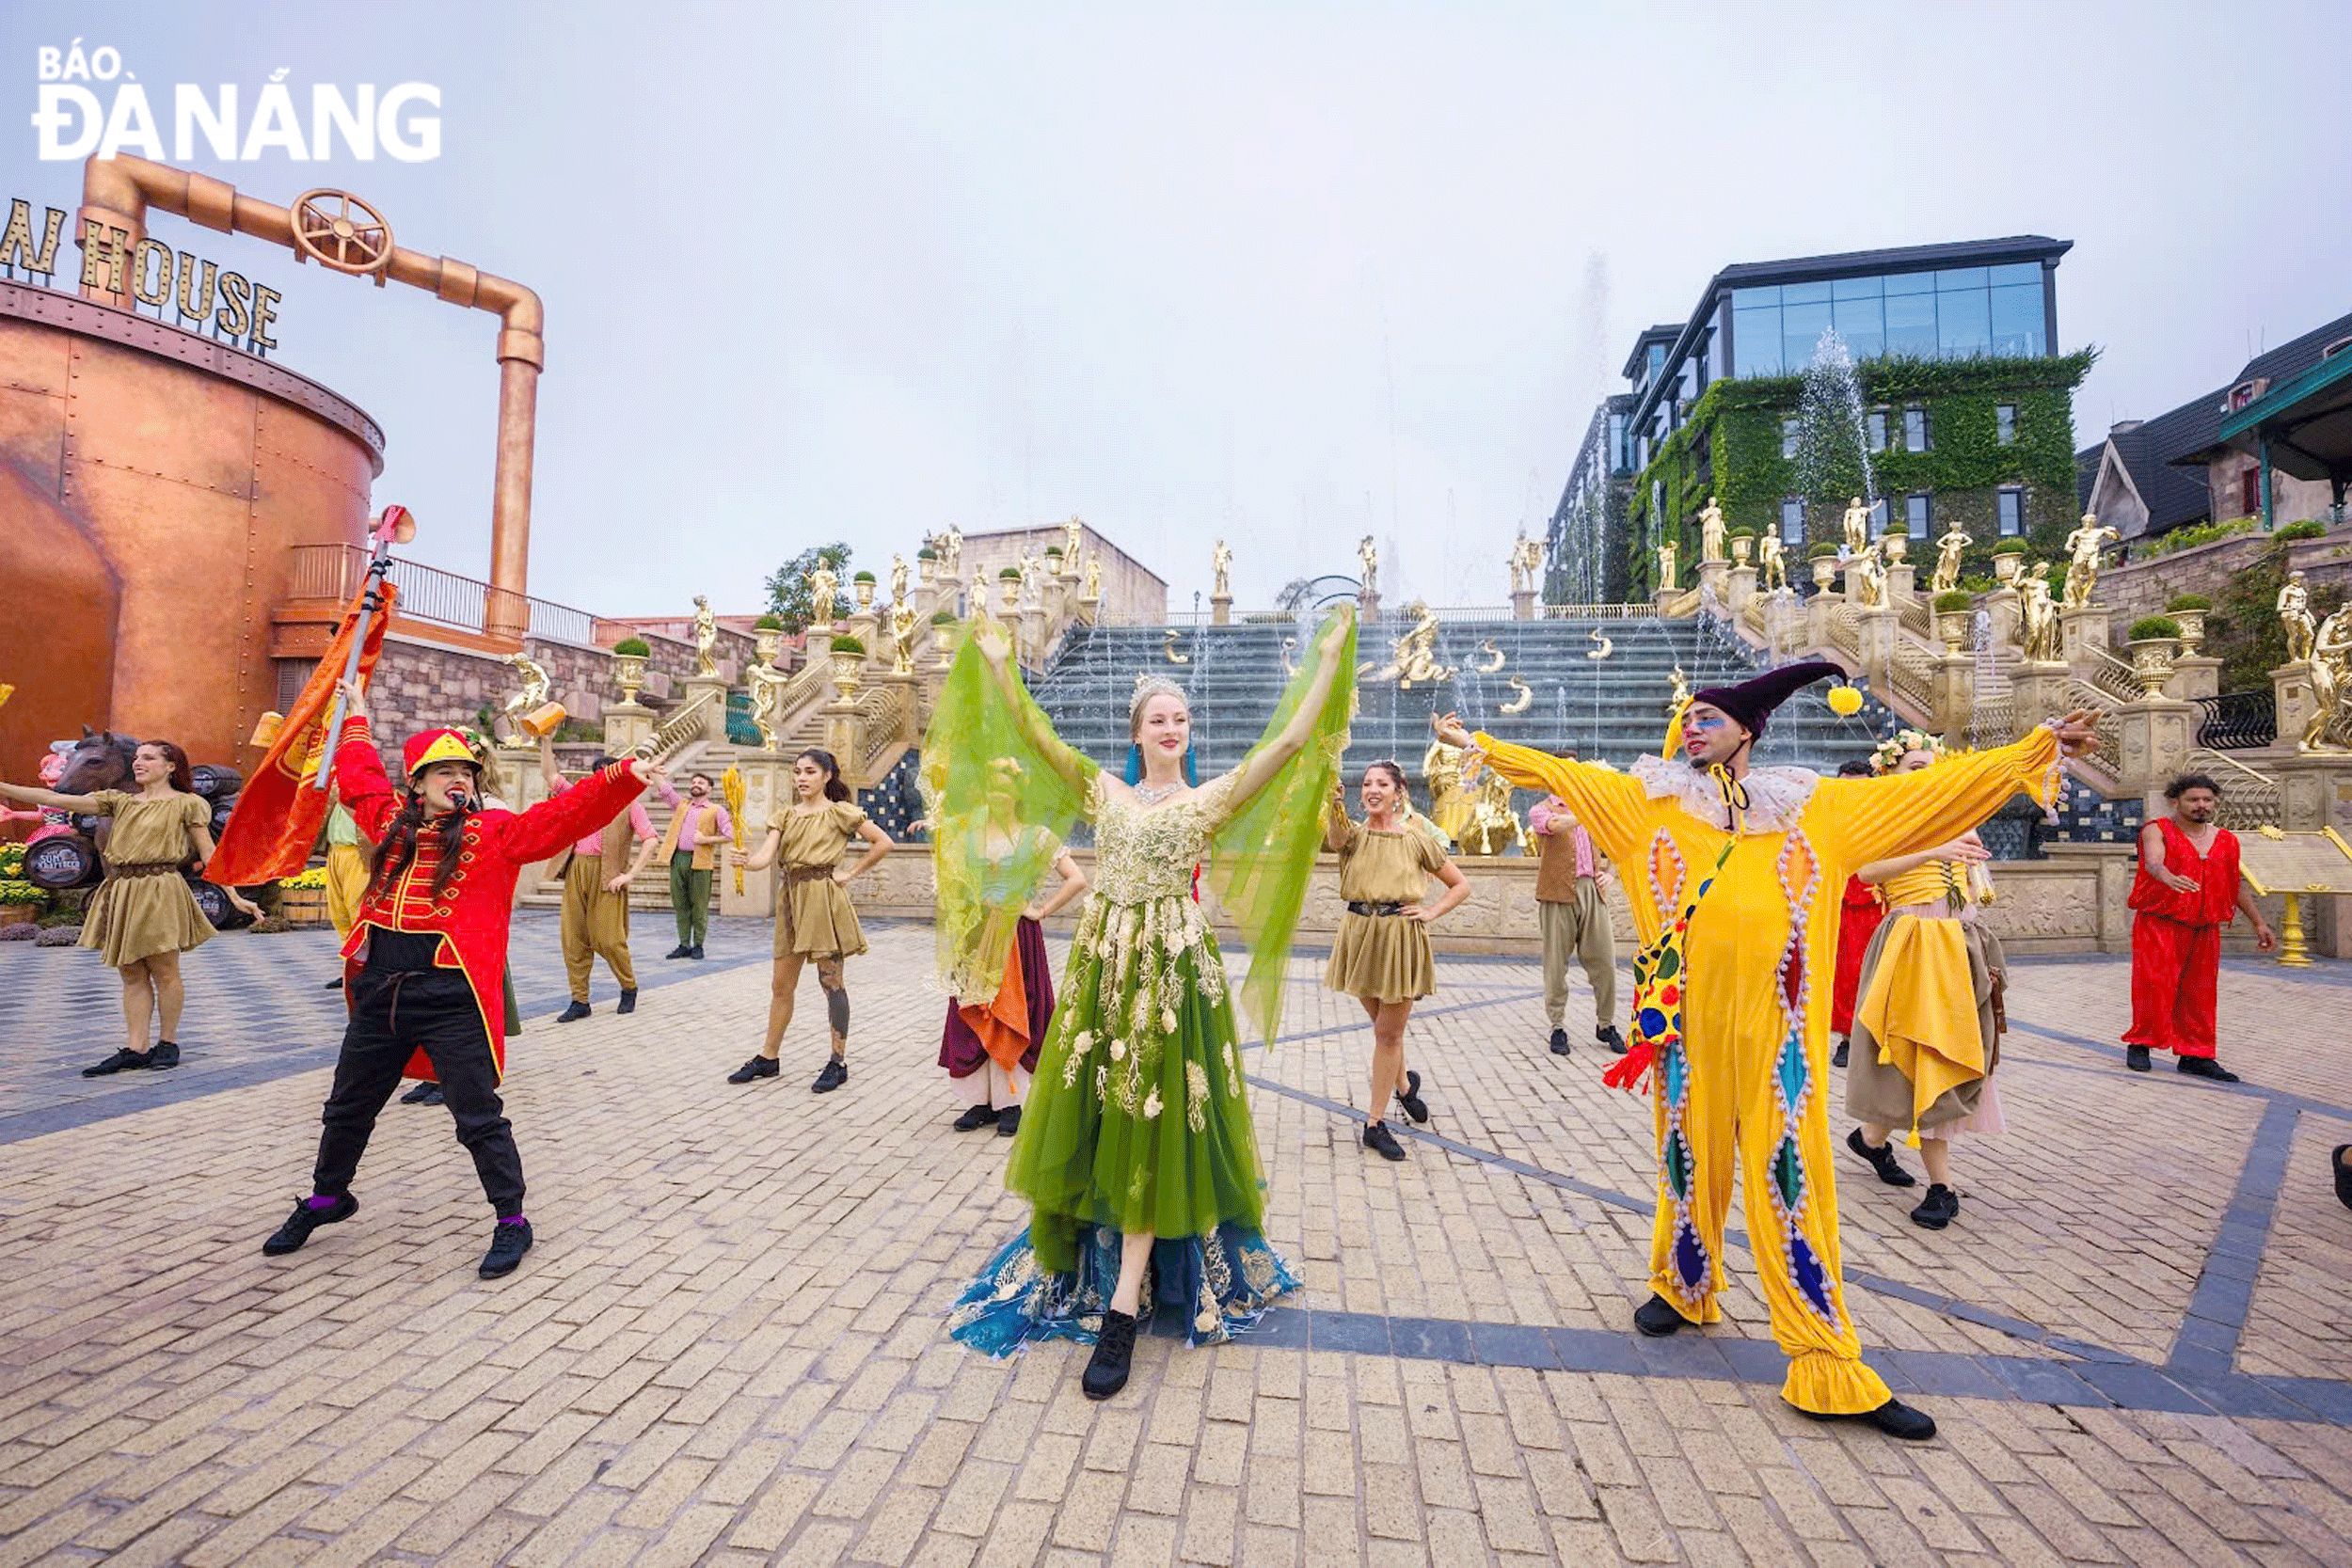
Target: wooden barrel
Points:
(216, 781)
(224, 915)
(220, 815)
(85, 823)
(61, 862)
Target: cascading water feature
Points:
(1832, 433)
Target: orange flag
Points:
(280, 809)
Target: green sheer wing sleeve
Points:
(1264, 855)
(1002, 791)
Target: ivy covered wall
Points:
(1730, 445)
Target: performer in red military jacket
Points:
(424, 958)
(2185, 891)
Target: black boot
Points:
(1559, 1041)
(290, 1236)
(1657, 1318)
(834, 1073)
(628, 1003)
(1938, 1209)
(974, 1117)
(1837, 1057)
(1107, 1373)
(1894, 1417)
(1409, 1097)
(2136, 1057)
(1881, 1159)
(426, 1093)
(2196, 1067)
(1608, 1035)
(1008, 1122)
(336, 984)
(695, 951)
(573, 1014)
(509, 1241)
(758, 1067)
(1382, 1142)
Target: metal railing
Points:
(2113, 678)
(2237, 721)
(2249, 799)
(430, 593)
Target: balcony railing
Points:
(429, 593)
(2237, 721)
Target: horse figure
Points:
(100, 760)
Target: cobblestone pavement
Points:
(728, 1344)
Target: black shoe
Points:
(1409, 1097)
(695, 951)
(1608, 1035)
(1382, 1142)
(680, 951)
(290, 1236)
(2136, 1057)
(974, 1117)
(574, 1013)
(628, 1002)
(121, 1061)
(834, 1073)
(1009, 1121)
(165, 1053)
(508, 1242)
(1837, 1057)
(1881, 1159)
(758, 1067)
(1657, 1318)
(1938, 1209)
(1559, 1042)
(1107, 1373)
(427, 1092)
(2196, 1067)
(1894, 1417)
(2341, 1164)
(336, 984)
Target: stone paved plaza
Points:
(728, 1346)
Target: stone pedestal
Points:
(1368, 607)
(2194, 675)
(2291, 686)
(1878, 630)
(625, 725)
(767, 787)
(518, 783)
(1955, 697)
(840, 717)
(1817, 610)
(1740, 588)
(2037, 691)
(2157, 735)
(2083, 636)
(2003, 605)
(714, 713)
(1524, 603)
(1717, 576)
(864, 625)
(1902, 576)
(1090, 609)
(1666, 596)
(1032, 635)
(1780, 620)
(1220, 609)
(2314, 790)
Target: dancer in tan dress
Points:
(143, 917)
(1381, 955)
(814, 917)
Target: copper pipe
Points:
(118, 192)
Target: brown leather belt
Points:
(790, 875)
(145, 868)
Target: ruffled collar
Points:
(1777, 796)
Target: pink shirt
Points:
(639, 824)
(670, 797)
(1541, 818)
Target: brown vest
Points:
(703, 821)
(1555, 876)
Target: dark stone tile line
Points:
(1521, 995)
(2224, 1295)
(2115, 1053)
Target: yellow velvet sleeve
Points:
(1614, 808)
(1855, 821)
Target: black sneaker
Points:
(1409, 1097)
(974, 1117)
(1837, 1057)
(508, 1242)
(680, 951)
(834, 1073)
(1608, 1035)
(1009, 1121)
(1559, 1042)
(1107, 1372)
(2196, 1067)
(336, 984)
(695, 951)
(121, 1061)
(2136, 1057)
(1938, 1209)
(573, 1014)
(1894, 1417)
(290, 1236)
(1881, 1159)
(426, 1093)
(163, 1053)
(1657, 1318)
(758, 1067)
(628, 1003)
(1382, 1142)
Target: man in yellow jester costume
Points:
(1733, 872)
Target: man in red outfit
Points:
(2187, 888)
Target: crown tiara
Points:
(1156, 686)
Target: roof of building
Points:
(1664, 332)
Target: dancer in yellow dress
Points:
(1733, 874)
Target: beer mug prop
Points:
(541, 721)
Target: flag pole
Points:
(394, 525)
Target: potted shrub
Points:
(302, 898)
(1953, 613)
(628, 665)
(2149, 642)
(2008, 559)
(848, 665)
(1009, 578)
(21, 902)
(1742, 545)
(1896, 538)
(768, 637)
(864, 585)
(2190, 610)
(1824, 565)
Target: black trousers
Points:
(393, 1014)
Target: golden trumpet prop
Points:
(265, 730)
(731, 786)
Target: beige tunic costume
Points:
(813, 914)
(1382, 958)
(144, 907)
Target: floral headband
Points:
(1888, 755)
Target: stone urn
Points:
(2192, 628)
(926, 567)
(1825, 572)
(1896, 544)
(943, 641)
(2007, 567)
(629, 673)
(1008, 589)
(848, 673)
(1743, 547)
(767, 641)
(864, 587)
(1952, 627)
(2152, 664)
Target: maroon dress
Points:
(960, 1049)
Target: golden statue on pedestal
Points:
(823, 589)
(1771, 562)
(2332, 681)
(1865, 573)
(898, 576)
(705, 636)
(1368, 560)
(1855, 524)
(2036, 615)
(1666, 564)
(534, 693)
(951, 553)
(2295, 618)
(1070, 532)
(1946, 579)
(1221, 568)
(902, 626)
(1094, 576)
(1414, 657)
(2082, 566)
(766, 684)
(1711, 531)
(1526, 560)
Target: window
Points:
(1792, 521)
(2012, 503)
(1788, 437)
(2016, 319)
(2249, 491)
(1878, 430)
(2005, 423)
(1918, 516)
(1910, 324)
(1963, 320)
(1878, 518)
(1802, 325)
(1915, 428)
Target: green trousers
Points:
(689, 896)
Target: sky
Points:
(1284, 273)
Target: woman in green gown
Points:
(1136, 1153)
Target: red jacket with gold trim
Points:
(472, 918)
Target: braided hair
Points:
(398, 847)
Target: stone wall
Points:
(1131, 591)
(418, 684)
(2140, 588)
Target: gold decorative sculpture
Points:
(731, 786)
(1094, 576)
(1522, 702)
(979, 591)
(766, 683)
(1526, 560)
(1865, 573)
(951, 552)
(898, 576)
(1173, 657)
(1604, 648)
(1449, 804)
(1491, 826)
(1288, 668)
(1855, 523)
(1710, 532)
(823, 588)
(1032, 574)
(2036, 615)
(1946, 579)
(2295, 618)
(1069, 532)
(1680, 697)
(1493, 654)
(2332, 681)
(1368, 558)
(1220, 567)
(1666, 564)
(902, 626)
(2082, 566)
(534, 694)
(1414, 656)
(1771, 562)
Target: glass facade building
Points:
(1947, 313)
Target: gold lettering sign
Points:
(236, 307)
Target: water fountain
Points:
(1833, 433)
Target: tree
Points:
(788, 593)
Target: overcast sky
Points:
(1287, 273)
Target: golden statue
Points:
(1070, 532)
(2036, 615)
(1449, 804)
(1711, 531)
(705, 636)
(1522, 703)
(1771, 562)
(1865, 573)
(1094, 576)
(1493, 654)
(1603, 647)
(535, 690)
(2082, 567)
(823, 591)
(902, 637)
(1680, 698)
(1170, 646)
(1527, 558)
(2331, 680)
(898, 576)
(1856, 524)
(1032, 574)
(1369, 560)
(2294, 617)
(1946, 579)
(1666, 563)
(767, 683)
(951, 552)
(979, 590)
(1221, 566)
(1414, 656)
(1492, 826)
